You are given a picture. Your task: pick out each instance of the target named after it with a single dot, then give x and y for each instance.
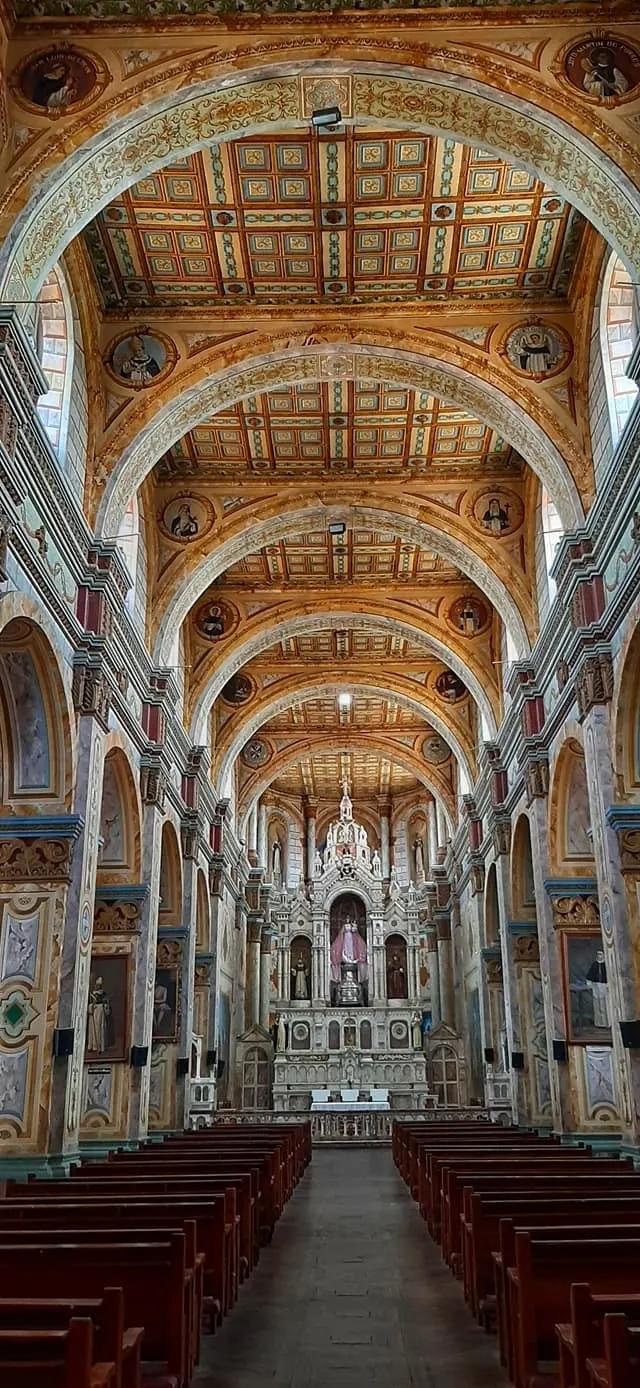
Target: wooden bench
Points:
(113, 1341)
(620, 1364)
(62, 1358)
(582, 1337)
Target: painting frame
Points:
(579, 957)
(165, 1027)
(103, 1017)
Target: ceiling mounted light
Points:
(326, 118)
(344, 699)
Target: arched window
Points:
(550, 532)
(128, 542)
(617, 336)
(55, 349)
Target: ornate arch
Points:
(247, 723)
(245, 649)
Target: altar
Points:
(349, 1101)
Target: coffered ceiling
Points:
(345, 427)
(366, 712)
(317, 557)
(347, 216)
(369, 775)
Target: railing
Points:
(358, 1127)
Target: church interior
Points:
(319, 692)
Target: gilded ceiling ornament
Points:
(256, 752)
(58, 81)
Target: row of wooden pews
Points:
(111, 1276)
(545, 1240)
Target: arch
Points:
(185, 118)
(402, 756)
(230, 745)
(203, 914)
(170, 909)
(496, 404)
(523, 894)
(56, 352)
(245, 650)
(120, 818)
(35, 720)
(491, 908)
(569, 826)
(626, 715)
(617, 339)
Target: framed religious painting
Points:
(586, 988)
(108, 1008)
(165, 1005)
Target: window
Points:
(55, 349)
(551, 533)
(617, 336)
(128, 541)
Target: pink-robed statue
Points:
(349, 948)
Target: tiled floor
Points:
(351, 1292)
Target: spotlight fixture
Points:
(336, 527)
(344, 699)
(326, 118)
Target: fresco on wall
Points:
(470, 615)
(537, 350)
(435, 750)
(19, 947)
(450, 687)
(108, 1008)
(165, 1005)
(112, 829)
(58, 80)
(499, 512)
(238, 690)
(140, 359)
(13, 1083)
(186, 518)
(213, 620)
(604, 67)
(256, 752)
(29, 721)
(599, 1080)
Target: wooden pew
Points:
(620, 1365)
(62, 1358)
(232, 1164)
(540, 1287)
(113, 1341)
(582, 1337)
(152, 1276)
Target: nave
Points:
(352, 1291)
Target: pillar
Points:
(432, 835)
(564, 1116)
(266, 940)
(385, 857)
(433, 966)
(187, 975)
(261, 842)
(445, 969)
(252, 995)
(252, 830)
(152, 782)
(441, 823)
(311, 840)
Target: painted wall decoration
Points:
(238, 690)
(498, 513)
(537, 350)
(450, 687)
(256, 752)
(603, 67)
(30, 725)
(97, 1092)
(435, 749)
(186, 518)
(214, 619)
(470, 615)
(586, 987)
(599, 1081)
(108, 1008)
(58, 80)
(112, 828)
(13, 1083)
(140, 359)
(165, 1005)
(19, 947)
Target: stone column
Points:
(311, 840)
(252, 831)
(385, 856)
(91, 699)
(261, 845)
(565, 1118)
(445, 969)
(432, 835)
(441, 824)
(319, 981)
(252, 994)
(266, 941)
(189, 836)
(434, 975)
(152, 786)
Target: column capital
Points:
(594, 681)
(91, 691)
(38, 848)
(153, 782)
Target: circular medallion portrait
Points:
(498, 513)
(470, 615)
(214, 619)
(141, 359)
(435, 749)
(238, 690)
(186, 518)
(537, 350)
(450, 687)
(59, 80)
(603, 68)
(256, 752)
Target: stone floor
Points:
(351, 1292)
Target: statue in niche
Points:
(416, 1031)
(300, 980)
(394, 885)
(281, 1033)
(396, 977)
(317, 864)
(276, 863)
(418, 858)
(376, 865)
(349, 948)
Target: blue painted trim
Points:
(138, 891)
(64, 826)
(45, 1168)
(173, 932)
(490, 952)
(623, 816)
(571, 886)
(522, 927)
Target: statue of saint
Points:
(300, 981)
(281, 1034)
(376, 864)
(394, 885)
(349, 948)
(317, 864)
(418, 855)
(276, 863)
(416, 1031)
(396, 977)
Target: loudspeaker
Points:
(63, 1041)
(489, 1055)
(212, 1057)
(182, 1066)
(139, 1057)
(220, 1069)
(560, 1051)
(630, 1033)
(517, 1060)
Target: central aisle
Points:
(351, 1292)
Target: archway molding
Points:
(289, 522)
(253, 102)
(230, 747)
(247, 647)
(497, 405)
(306, 745)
